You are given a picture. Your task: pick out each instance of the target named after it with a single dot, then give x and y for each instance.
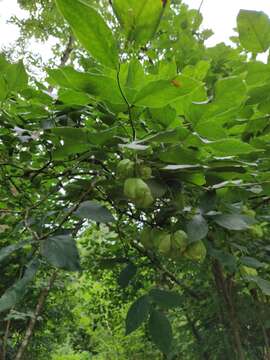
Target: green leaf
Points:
(229, 95)
(263, 284)
(16, 292)
(230, 147)
(252, 262)
(137, 313)
(166, 299)
(61, 251)
(234, 221)
(3, 88)
(160, 331)
(179, 155)
(254, 30)
(8, 250)
(94, 211)
(16, 76)
(197, 228)
(73, 97)
(99, 86)
(159, 93)
(127, 275)
(91, 30)
(139, 18)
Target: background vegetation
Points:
(134, 197)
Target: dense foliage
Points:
(134, 197)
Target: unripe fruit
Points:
(179, 241)
(146, 238)
(125, 169)
(247, 271)
(196, 251)
(144, 172)
(256, 231)
(248, 212)
(139, 192)
(164, 243)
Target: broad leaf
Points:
(197, 228)
(98, 86)
(160, 331)
(252, 262)
(94, 211)
(8, 250)
(91, 30)
(254, 30)
(166, 299)
(17, 78)
(139, 18)
(234, 221)
(263, 284)
(159, 93)
(137, 314)
(15, 293)
(61, 251)
(127, 275)
(229, 147)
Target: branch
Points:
(30, 329)
(67, 51)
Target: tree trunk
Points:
(224, 287)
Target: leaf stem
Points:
(128, 105)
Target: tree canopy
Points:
(135, 186)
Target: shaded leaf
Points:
(137, 313)
(263, 284)
(15, 293)
(197, 228)
(127, 275)
(94, 211)
(61, 251)
(234, 221)
(166, 299)
(160, 331)
(8, 250)
(252, 262)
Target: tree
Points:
(160, 142)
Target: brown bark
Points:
(225, 286)
(67, 51)
(30, 329)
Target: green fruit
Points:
(247, 271)
(196, 251)
(256, 231)
(164, 246)
(146, 238)
(139, 192)
(125, 169)
(145, 172)
(179, 241)
(144, 202)
(248, 212)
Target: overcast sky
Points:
(219, 15)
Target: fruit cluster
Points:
(174, 245)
